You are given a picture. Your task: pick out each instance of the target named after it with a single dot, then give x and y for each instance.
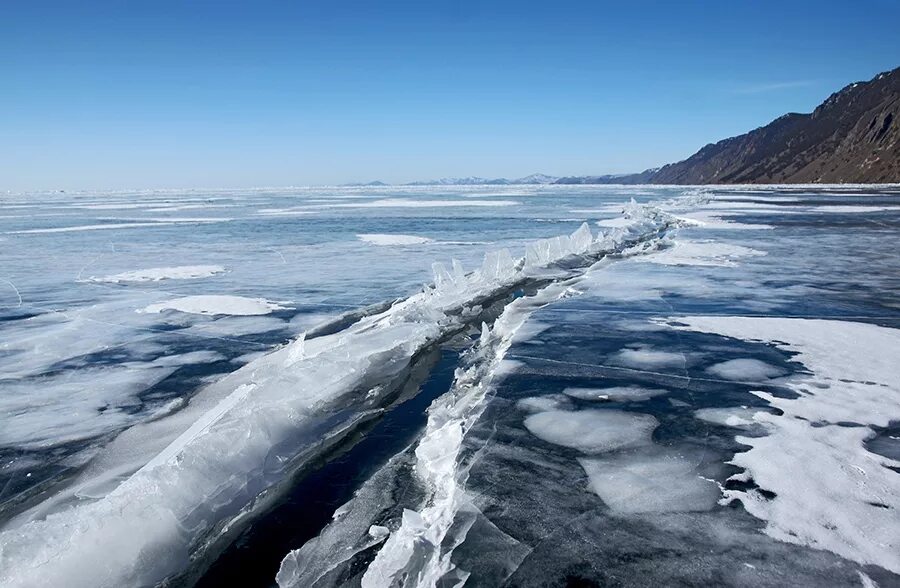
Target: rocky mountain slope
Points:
(854, 136)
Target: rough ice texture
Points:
(416, 553)
(156, 274)
(650, 479)
(746, 370)
(98, 399)
(214, 304)
(830, 492)
(393, 239)
(615, 393)
(592, 431)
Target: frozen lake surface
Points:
(425, 386)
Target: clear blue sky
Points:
(215, 93)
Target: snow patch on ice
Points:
(648, 358)
(736, 416)
(745, 370)
(650, 480)
(714, 220)
(156, 274)
(216, 304)
(830, 492)
(592, 431)
(412, 203)
(393, 239)
(615, 393)
(543, 403)
(702, 253)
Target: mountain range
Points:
(852, 137)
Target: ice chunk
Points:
(378, 532)
(216, 305)
(592, 431)
(651, 479)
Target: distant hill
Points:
(476, 181)
(641, 178)
(852, 137)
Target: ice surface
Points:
(99, 227)
(213, 304)
(393, 239)
(746, 370)
(707, 253)
(650, 480)
(830, 492)
(592, 431)
(412, 203)
(183, 272)
(615, 393)
(244, 432)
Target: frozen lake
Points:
(698, 388)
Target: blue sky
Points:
(184, 93)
